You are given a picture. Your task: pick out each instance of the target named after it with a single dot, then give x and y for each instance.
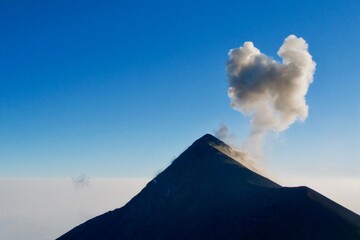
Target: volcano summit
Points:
(206, 194)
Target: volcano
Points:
(206, 194)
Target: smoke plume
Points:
(81, 182)
(272, 93)
(222, 132)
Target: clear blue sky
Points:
(120, 88)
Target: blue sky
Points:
(120, 88)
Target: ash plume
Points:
(270, 92)
(223, 133)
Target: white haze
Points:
(43, 209)
(272, 93)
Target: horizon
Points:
(94, 93)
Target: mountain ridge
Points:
(205, 193)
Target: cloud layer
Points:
(42, 209)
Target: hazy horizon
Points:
(57, 205)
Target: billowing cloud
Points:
(272, 93)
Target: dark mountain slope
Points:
(206, 194)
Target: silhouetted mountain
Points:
(206, 194)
